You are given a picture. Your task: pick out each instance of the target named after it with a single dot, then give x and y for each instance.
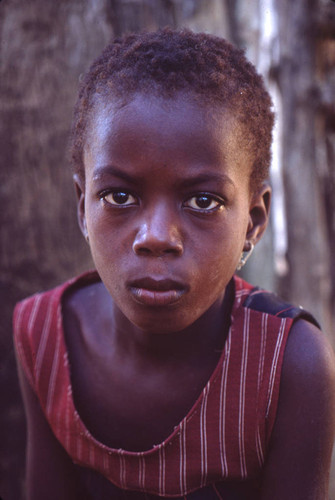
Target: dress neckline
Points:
(90, 277)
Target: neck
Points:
(206, 336)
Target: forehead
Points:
(176, 129)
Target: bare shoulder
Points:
(86, 310)
(78, 300)
(307, 389)
(309, 358)
(299, 457)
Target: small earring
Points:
(245, 256)
(87, 238)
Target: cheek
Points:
(216, 271)
(213, 268)
(102, 233)
(103, 240)
(220, 251)
(111, 249)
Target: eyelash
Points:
(219, 202)
(112, 193)
(211, 198)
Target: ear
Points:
(259, 213)
(79, 184)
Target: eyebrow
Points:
(207, 177)
(112, 170)
(109, 170)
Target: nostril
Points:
(156, 250)
(170, 250)
(157, 240)
(154, 247)
(142, 250)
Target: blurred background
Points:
(47, 45)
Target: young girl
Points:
(163, 374)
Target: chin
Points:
(161, 326)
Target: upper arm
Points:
(50, 472)
(298, 461)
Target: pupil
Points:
(203, 201)
(120, 197)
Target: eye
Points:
(204, 202)
(118, 198)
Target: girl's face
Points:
(167, 207)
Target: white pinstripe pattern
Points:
(141, 472)
(203, 435)
(240, 294)
(162, 470)
(122, 469)
(259, 448)
(53, 376)
(274, 364)
(105, 462)
(222, 414)
(262, 349)
(92, 456)
(65, 360)
(67, 419)
(18, 325)
(182, 457)
(20, 310)
(44, 339)
(79, 448)
(58, 411)
(244, 362)
(33, 313)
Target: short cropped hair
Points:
(166, 62)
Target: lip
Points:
(157, 292)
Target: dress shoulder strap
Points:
(37, 328)
(33, 318)
(268, 302)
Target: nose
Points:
(158, 233)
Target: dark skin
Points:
(167, 207)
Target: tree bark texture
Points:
(301, 69)
(309, 279)
(45, 47)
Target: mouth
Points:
(157, 292)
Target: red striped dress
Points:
(224, 436)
